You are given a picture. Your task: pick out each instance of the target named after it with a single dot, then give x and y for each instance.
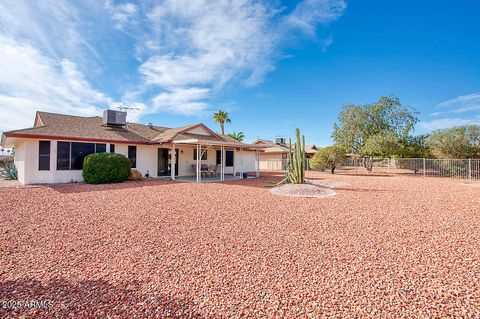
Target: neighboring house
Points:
(310, 150)
(52, 151)
(275, 155)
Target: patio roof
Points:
(196, 141)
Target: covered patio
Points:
(218, 172)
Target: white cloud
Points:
(123, 13)
(428, 126)
(183, 101)
(31, 81)
(212, 43)
(52, 26)
(187, 52)
(462, 100)
(461, 104)
(469, 104)
(308, 14)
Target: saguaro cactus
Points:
(296, 157)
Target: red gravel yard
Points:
(385, 247)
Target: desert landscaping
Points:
(384, 246)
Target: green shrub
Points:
(101, 168)
(329, 157)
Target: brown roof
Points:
(70, 127)
(273, 147)
(171, 133)
(310, 148)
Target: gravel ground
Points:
(386, 247)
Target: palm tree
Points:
(238, 136)
(222, 118)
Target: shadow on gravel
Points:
(366, 175)
(85, 188)
(88, 299)
(366, 190)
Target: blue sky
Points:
(273, 65)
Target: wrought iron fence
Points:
(451, 168)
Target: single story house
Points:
(275, 155)
(52, 151)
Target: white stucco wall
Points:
(27, 165)
(26, 161)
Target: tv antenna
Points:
(125, 107)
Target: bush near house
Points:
(101, 168)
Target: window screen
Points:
(100, 148)
(63, 156)
(44, 155)
(229, 158)
(79, 151)
(132, 155)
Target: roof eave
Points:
(69, 138)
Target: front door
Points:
(164, 162)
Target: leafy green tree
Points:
(457, 142)
(417, 147)
(238, 136)
(382, 145)
(221, 117)
(329, 157)
(358, 123)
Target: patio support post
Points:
(241, 163)
(258, 163)
(198, 163)
(172, 162)
(222, 166)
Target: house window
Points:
(63, 156)
(228, 158)
(44, 155)
(78, 153)
(100, 148)
(70, 155)
(132, 155)
(112, 148)
(204, 155)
